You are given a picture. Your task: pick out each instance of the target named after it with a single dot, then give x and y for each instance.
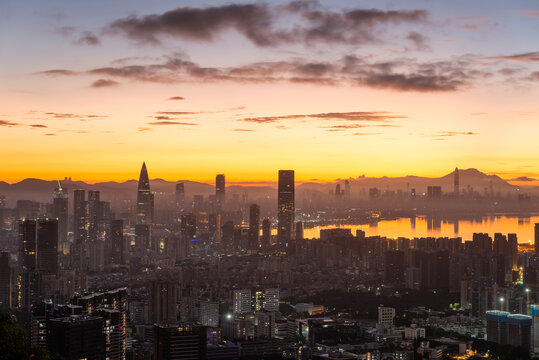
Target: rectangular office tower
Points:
(220, 192)
(77, 337)
(183, 341)
(285, 207)
(47, 246)
(60, 205)
(27, 264)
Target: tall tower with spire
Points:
(456, 184)
(144, 218)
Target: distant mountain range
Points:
(41, 190)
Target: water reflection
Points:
(424, 226)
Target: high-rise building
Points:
(27, 279)
(117, 242)
(163, 298)
(254, 226)
(180, 198)
(77, 337)
(60, 212)
(47, 246)
(456, 183)
(286, 207)
(93, 214)
(6, 274)
(537, 239)
(182, 341)
(241, 301)
(266, 233)
(298, 230)
(79, 217)
(394, 267)
(115, 333)
(144, 210)
(220, 192)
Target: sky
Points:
(331, 89)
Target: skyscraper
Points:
(266, 233)
(220, 192)
(47, 246)
(456, 188)
(144, 210)
(254, 226)
(117, 242)
(60, 206)
(286, 207)
(537, 239)
(93, 210)
(180, 197)
(163, 298)
(27, 264)
(77, 337)
(79, 216)
(5, 279)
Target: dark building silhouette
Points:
(6, 284)
(298, 230)
(537, 239)
(180, 198)
(144, 218)
(27, 263)
(394, 267)
(163, 298)
(93, 210)
(117, 242)
(183, 341)
(60, 211)
(220, 194)
(79, 216)
(47, 246)
(286, 207)
(254, 226)
(77, 337)
(266, 233)
(456, 183)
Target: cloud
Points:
(365, 134)
(397, 74)
(176, 98)
(380, 116)
(532, 13)
(38, 126)
(523, 178)
(263, 24)
(245, 130)
(57, 72)
(354, 126)
(87, 38)
(172, 123)
(534, 76)
(81, 117)
(50, 134)
(8, 123)
(529, 57)
(348, 116)
(442, 135)
(101, 83)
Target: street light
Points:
(501, 301)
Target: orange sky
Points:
(454, 98)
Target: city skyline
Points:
(331, 101)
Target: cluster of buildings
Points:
(208, 278)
